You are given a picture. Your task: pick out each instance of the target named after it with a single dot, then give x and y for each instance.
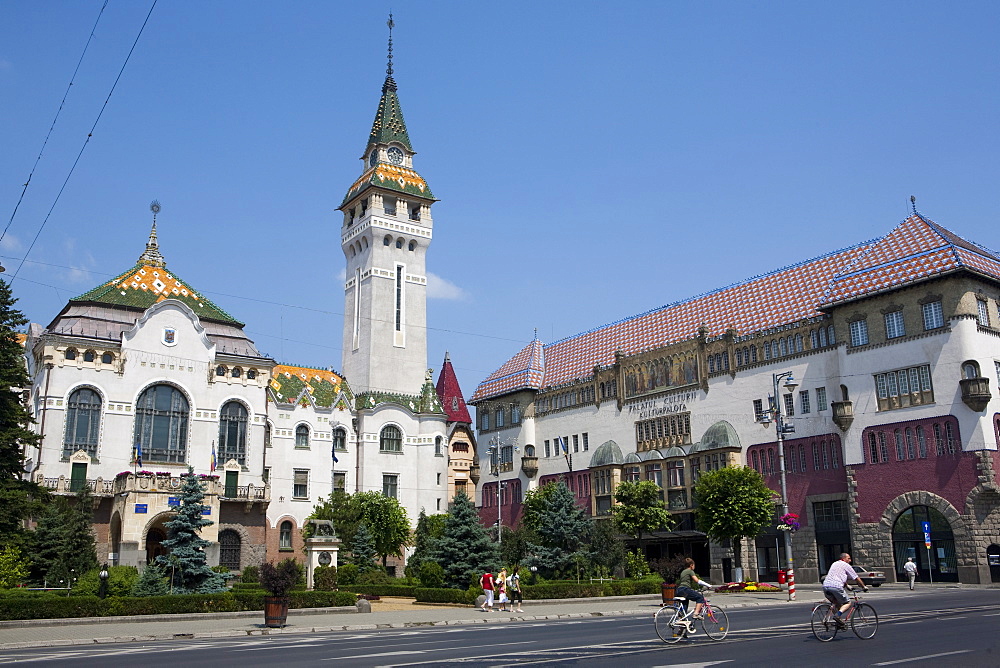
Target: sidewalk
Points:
(396, 613)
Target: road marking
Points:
(922, 658)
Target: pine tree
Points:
(429, 528)
(465, 549)
(563, 529)
(64, 547)
(186, 559)
(152, 582)
(17, 496)
(364, 549)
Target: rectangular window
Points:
(266, 475)
(872, 448)
(821, 399)
(883, 446)
(894, 327)
(815, 449)
(933, 315)
(339, 481)
(399, 297)
(499, 418)
(485, 421)
(859, 333)
(586, 441)
(900, 453)
(576, 443)
(675, 471)
(997, 365)
(983, 314)
(802, 458)
(789, 405)
(390, 485)
(904, 387)
(804, 401)
(758, 406)
(515, 414)
(548, 451)
(300, 484)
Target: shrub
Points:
(325, 578)
(347, 574)
(445, 595)
(431, 574)
(279, 580)
(381, 590)
(152, 582)
(376, 576)
(670, 569)
(250, 574)
(635, 564)
(121, 579)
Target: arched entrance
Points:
(230, 545)
(939, 563)
(115, 538)
(154, 549)
(993, 560)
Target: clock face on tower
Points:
(395, 155)
(373, 160)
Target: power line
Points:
(52, 127)
(86, 141)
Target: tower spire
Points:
(390, 83)
(151, 256)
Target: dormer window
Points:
(88, 356)
(252, 374)
(389, 206)
(107, 358)
(71, 353)
(220, 370)
(237, 372)
(415, 213)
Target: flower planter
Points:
(668, 592)
(275, 611)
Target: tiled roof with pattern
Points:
(917, 249)
(389, 125)
(289, 382)
(450, 394)
(145, 285)
(391, 177)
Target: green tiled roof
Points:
(289, 383)
(390, 177)
(389, 125)
(144, 285)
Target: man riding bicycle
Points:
(839, 575)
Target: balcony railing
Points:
(64, 485)
(156, 483)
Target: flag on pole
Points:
(562, 444)
(138, 454)
(213, 457)
(334, 452)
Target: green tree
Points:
(363, 554)
(640, 509)
(13, 567)
(190, 572)
(152, 582)
(733, 503)
(465, 548)
(345, 515)
(607, 552)
(386, 521)
(429, 528)
(17, 496)
(63, 541)
(563, 531)
(535, 501)
(518, 543)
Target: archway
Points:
(939, 563)
(154, 549)
(115, 538)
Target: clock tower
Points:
(386, 230)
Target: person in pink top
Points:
(837, 577)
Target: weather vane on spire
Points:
(154, 206)
(913, 202)
(391, 24)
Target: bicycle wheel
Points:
(666, 624)
(864, 621)
(715, 623)
(823, 625)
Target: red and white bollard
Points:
(791, 584)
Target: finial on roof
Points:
(447, 358)
(390, 83)
(151, 256)
(536, 334)
(913, 203)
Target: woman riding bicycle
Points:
(685, 586)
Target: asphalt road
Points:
(943, 628)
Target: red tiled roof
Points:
(450, 394)
(915, 249)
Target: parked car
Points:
(870, 578)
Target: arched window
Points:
(387, 240)
(798, 343)
(829, 335)
(83, 422)
(391, 439)
(107, 358)
(711, 364)
(302, 436)
(739, 357)
(88, 356)
(252, 374)
(285, 536)
(237, 372)
(753, 353)
(220, 370)
(413, 245)
(755, 461)
(770, 460)
(70, 353)
(161, 423)
(437, 446)
(970, 370)
(813, 339)
(783, 347)
(233, 433)
(229, 549)
(767, 350)
(339, 439)
(399, 242)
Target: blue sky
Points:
(593, 160)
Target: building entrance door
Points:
(940, 562)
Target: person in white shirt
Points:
(837, 577)
(911, 571)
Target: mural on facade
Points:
(661, 374)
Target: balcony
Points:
(132, 483)
(976, 393)
(530, 466)
(843, 414)
(66, 486)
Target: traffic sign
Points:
(927, 534)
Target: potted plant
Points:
(670, 569)
(277, 581)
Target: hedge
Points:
(444, 595)
(48, 606)
(381, 590)
(546, 591)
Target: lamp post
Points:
(103, 590)
(494, 450)
(774, 412)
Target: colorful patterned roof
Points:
(450, 394)
(916, 249)
(392, 177)
(290, 384)
(144, 285)
(389, 125)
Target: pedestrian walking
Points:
(501, 587)
(514, 589)
(911, 571)
(486, 582)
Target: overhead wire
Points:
(52, 127)
(85, 142)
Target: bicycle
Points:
(675, 621)
(862, 617)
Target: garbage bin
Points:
(782, 576)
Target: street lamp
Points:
(774, 413)
(103, 590)
(494, 451)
